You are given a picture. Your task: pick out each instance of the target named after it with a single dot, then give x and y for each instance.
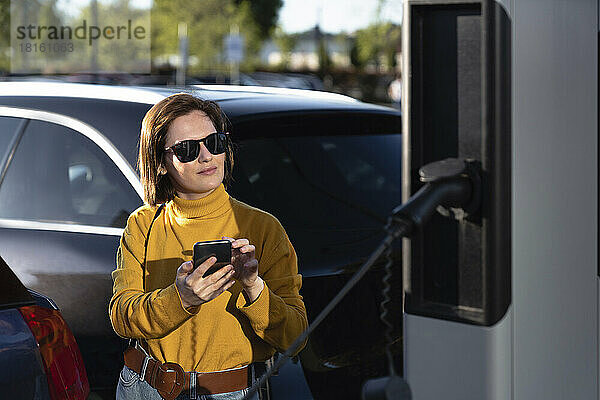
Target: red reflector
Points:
(67, 379)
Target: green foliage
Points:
(4, 36)
(394, 40)
(58, 48)
(286, 43)
(264, 14)
(355, 59)
(376, 41)
(209, 21)
(324, 60)
(114, 55)
(244, 19)
(42, 13)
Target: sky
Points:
(334, 16)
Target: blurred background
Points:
(350, 47)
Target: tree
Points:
(4, 36)
(110, 55)
(377, 41)
(286, 43)
(24, 13)
(264, 13)
(209, 21)
(393, 40)
(324, 60)
(355, 58)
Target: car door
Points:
(63, 205)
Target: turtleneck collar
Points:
(213, 205)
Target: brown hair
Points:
(158, 188)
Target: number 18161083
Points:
(46, 47)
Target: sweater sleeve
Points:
(134, 313)
(278, 315)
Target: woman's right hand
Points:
(195, 290)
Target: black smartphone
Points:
(217, 248)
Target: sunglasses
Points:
(188, 150)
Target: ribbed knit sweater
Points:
(225, 332)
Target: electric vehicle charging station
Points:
(500, 136)
(503, 303)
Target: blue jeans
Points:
(131, 388)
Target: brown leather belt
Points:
(169, 379)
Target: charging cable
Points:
(453, 184)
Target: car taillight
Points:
(67, 379)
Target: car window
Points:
(361, 172)
(331, 193)
(59, 175)
(8, 126)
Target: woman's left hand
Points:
(246, 267)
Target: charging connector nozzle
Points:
(451, 183)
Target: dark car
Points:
(39, 357)
(327, 166)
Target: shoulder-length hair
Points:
(158, 187)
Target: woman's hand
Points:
(195, 290)
(246, 267)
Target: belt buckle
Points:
(177, 384)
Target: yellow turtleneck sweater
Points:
(225, 332)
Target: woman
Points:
(212, 327)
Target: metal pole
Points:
(234, 65)
(183, 54)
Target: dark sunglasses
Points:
(188, 150)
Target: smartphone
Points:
(217, 248)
